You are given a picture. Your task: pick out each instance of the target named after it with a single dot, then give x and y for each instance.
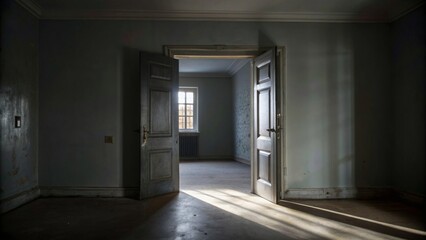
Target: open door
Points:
(266, 126)
(159, 129)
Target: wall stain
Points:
(14, 157)
(14, 171)
(19, 97)
(22, 181)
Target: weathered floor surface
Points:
(214, 203)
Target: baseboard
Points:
(88, 192)
(216, 157)
(242, 160)
(337, 193)
(19, 199)
(212, 157)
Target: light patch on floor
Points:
(214, 203)
(278, 218)
(212, 183)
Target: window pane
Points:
(186, 109)
(181, 123)
(189, 110)
(189, 123)
(181, 97)
(189, 97)
(181, 109)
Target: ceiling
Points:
(210, 67)
(225, 10)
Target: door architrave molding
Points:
(245, 52)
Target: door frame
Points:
(244, 52)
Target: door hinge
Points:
(279, 121)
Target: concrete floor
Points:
(214, 203)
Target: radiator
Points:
(188, 146)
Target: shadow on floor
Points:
(215, 203)
(191, 218)
(226, 186)
(319, 208)
(176, 216)
(79, 218)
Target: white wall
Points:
(338, 107)
(408, 72)
(338, 97)
(215, 115)
(18, 97)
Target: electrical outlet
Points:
(18, 122)
(108, 139)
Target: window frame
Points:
(194, 90)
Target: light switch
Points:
(108, 139)
(18, 122)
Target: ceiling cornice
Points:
(210, 16)
(204, 75)
(33, 7)
(236, 66)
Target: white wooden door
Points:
(159, 125)
(265, 130)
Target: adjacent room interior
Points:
(221, 110)
(92, 119)
(214, 145)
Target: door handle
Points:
(145, 136)
(273, 129)
(278, 125)
(270, 130)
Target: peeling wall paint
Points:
(18, 97)
(241, 94)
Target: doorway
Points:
(215, 124)
(267, 96)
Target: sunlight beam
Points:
(281, 219)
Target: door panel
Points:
(160, 118)
(264, 107)
(263, 166)
(265, 157)
(159, 129)
(161, 164)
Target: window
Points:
(188, 109)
